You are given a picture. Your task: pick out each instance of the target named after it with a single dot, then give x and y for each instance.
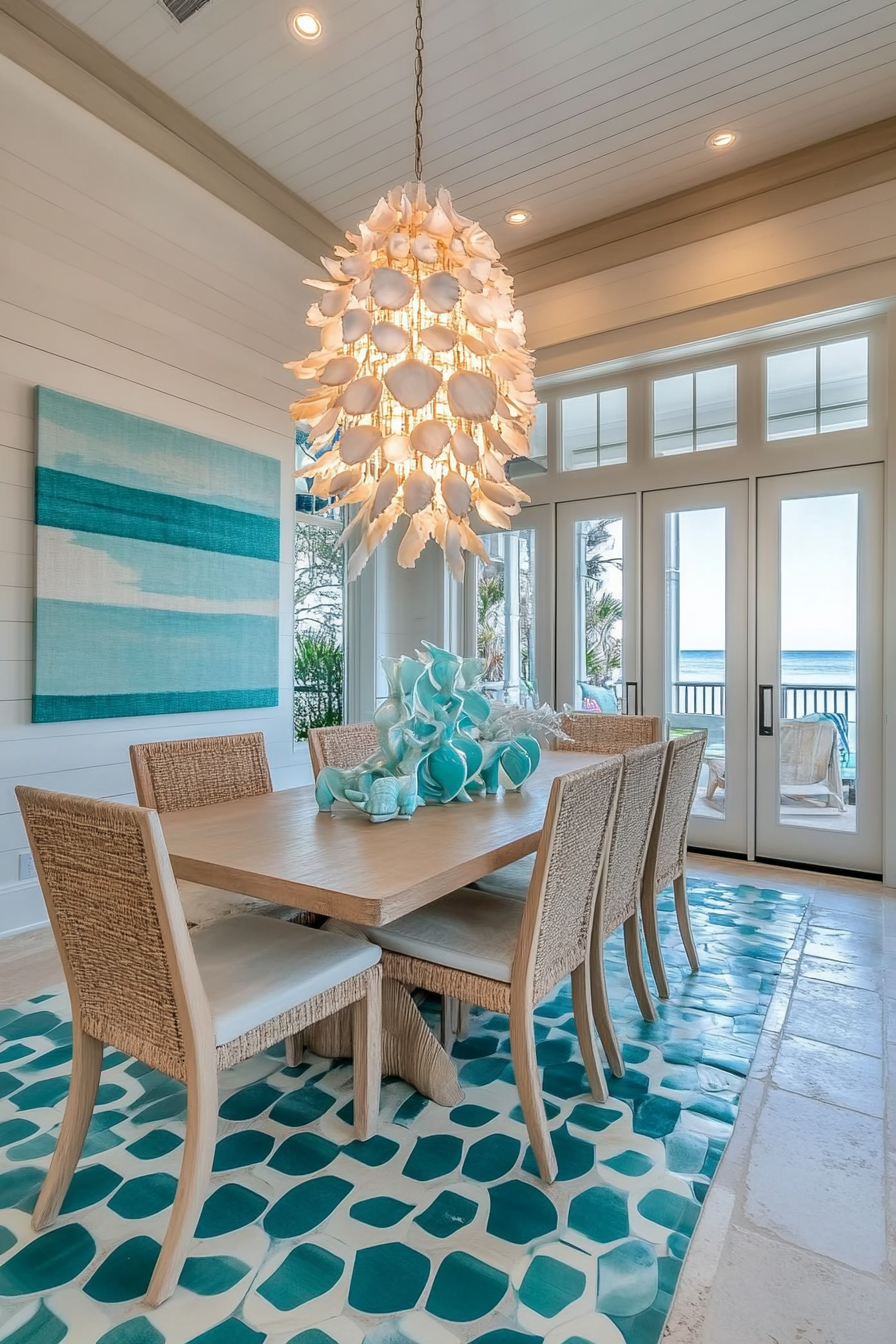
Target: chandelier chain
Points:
(418, 105)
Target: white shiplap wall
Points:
(124, 283)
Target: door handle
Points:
(766, 711)
(631, 697)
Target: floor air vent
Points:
(184, 9)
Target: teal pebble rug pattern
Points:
(435, 1231)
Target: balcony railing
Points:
(798, 701)
(698, 697)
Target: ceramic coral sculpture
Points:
(440, 740)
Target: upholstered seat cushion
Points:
(513, 880)
(469, 930)
(203, 904)
(253, 969)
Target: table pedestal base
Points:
(410, 1050)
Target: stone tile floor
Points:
(797, 1240)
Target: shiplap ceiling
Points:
(571, 109)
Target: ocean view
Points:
(801, 667)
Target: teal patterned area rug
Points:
(435, 1231)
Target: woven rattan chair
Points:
(609, 733)
(507, 955)
(666, 860)
(343, 746)
(173, 776)
(619, 893)
(187, 1004)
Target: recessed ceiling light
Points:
(305, 25)
(721, 140)
(517, 217)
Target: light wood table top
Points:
(279, 847)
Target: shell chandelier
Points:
(423, 386)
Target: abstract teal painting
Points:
(158, 554)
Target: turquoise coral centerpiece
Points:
(441, 740)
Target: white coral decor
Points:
(422, 388)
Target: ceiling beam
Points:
(821, 172)
(64, 57)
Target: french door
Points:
(819, 729)
(761, 610)
(695, 614)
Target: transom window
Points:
(594, 429)
(818, 390)
(695, 411)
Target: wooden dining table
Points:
(280, 847)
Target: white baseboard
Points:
(21, 908)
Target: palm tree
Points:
(603, 647)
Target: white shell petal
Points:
(355, 324)
(524, 382)
(456, 493)
(331, 335)
(343, 480)
(515, 439)
(497, 443)
(390, 288)
(453, 553)
(479, 267)
(464, 448)
(430, 437)
(472, 396)
(425, 250)
(383, 524)
(362, 396)
(382, 216)
(333, 302)
(418, 491)
(437, 224)
(479, 244)
(314, 317)
(334, 268)
(361, 289)
(398, 245)
(413, 384)
(325, 425)
(478, 309)
(412, 543)
(491, 514)
(358, 442)
(471, 542)
(458, 221)
(440, 292)
(502, 367)
(507, 338)
(474, 345)
(385, 493)
(438, 339)
(493, 466)
(338, 371)
(397, 448)
(389, 337)
(467, 279)
(500, 495)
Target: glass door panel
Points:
(597, 620)
(695, 610)
(819, 663)
(508, 608)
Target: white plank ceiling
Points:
(571, 109)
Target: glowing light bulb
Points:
(721, 139)
(306, 25)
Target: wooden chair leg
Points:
(87, 1063)
(632, 931)
(294, 1050)
(448, 1034)
(680, 887)
(195, 1170)
(652, 938)
(600, 1006)
(581, 1004)
(367, 1049)
(525, 1071)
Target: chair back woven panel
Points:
(97, 884)
(343, 746)
(682, 774)
(642, 773)
(806, 750)
(573, 871)
(609, 734)
(172, 776)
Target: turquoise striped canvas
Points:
(157, 568)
